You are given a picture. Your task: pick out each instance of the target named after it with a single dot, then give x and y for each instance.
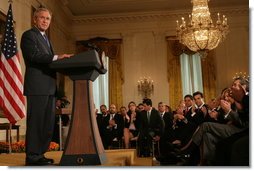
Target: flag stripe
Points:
(14, 64)
(12, 100)
(11, 76)
(6, 111)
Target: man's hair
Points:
(123, 107)
(198, 93)
(38, 10)
(161, 103)
(103, 105)
(148, 102)
(188, 96)
(131, 102)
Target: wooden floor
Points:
(119, 157)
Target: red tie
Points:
(186, 111)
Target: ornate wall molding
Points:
(151, 16)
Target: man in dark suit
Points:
(114, 129)
(102, 122)
(39, 87)
(168, 134)
(151, 128)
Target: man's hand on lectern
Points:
(64, 56)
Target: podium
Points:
(83, 145)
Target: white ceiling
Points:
(95, 7)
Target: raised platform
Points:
(121, 157)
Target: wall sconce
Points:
(145, 87)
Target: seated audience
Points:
(210, 133)
(188, 119)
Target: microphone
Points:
(91, 46)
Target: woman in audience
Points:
(130, 124)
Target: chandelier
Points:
(241, 75)
(145, 87)
(200, 34)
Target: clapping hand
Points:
(213, 114)
(204, 110)
(112, 123)
(226, 106)
(156, 138)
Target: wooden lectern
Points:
(83, 145)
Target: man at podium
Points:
(39, 88)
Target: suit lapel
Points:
(43, 41)
(45, 44)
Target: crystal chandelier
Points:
(200, 34)
(145, 87)
(241, 75)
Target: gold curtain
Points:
(209, 77)
(174, 72)
(175, 49)
(115, 73)
(112, 49)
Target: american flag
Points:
(12, 101)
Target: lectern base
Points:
(82, 159)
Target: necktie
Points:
(111, 116)
(148, 117)
(46, 39)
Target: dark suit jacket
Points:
(156, 124)
(116, 131)
(39, 78)
(168, 122)
(241, 117)
(185, 130)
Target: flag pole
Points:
(9, 138)
(10, 125)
